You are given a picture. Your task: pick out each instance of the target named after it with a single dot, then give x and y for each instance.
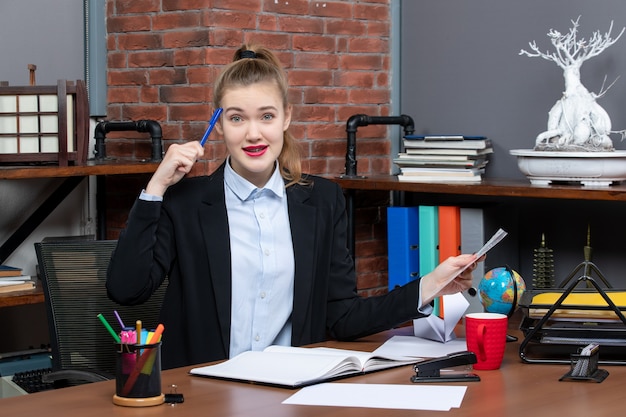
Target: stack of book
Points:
(12, 279)
(443, 158)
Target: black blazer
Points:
(186, 239)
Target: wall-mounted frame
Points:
(44, 124)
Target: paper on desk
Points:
(442, 329)
(417, 347)
(394, 396)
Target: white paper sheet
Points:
(417, 347)
(442, 329)
(390, 396)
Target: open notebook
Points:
(295, 367)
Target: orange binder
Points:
(449, 232)
(449, 239)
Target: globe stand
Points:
(509, 337)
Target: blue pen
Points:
(216, 115)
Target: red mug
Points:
(485, 334)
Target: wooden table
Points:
(517, 389)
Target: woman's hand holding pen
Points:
(177, 162)
(449, 277)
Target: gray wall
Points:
(461, 71)
(48, 34)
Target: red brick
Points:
(341, 9)
(368, 45)
(316, 43)
(298, 24)
(149, 95)
(350, 27)
(153, 112)
(267, 22)
(247, 5)
(167, 76)
(369, 62)
(122, 24)
(301, 77)
(173, 5)
(297, 7)
(186, 38)
(324, 61)
(165, 21)
(371, 12)
(150, 59)
(132, 77)
(138, 41)
(236, 20)
(123, 94)
(136, 6)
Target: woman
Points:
(256, 253)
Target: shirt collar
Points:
(243, 188)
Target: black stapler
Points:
(430, 370)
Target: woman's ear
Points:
(287, 121)
(219, 127)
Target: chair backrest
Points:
(73, 274)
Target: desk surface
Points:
(517, 389)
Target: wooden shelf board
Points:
(488, 187)
(17, 298)
(106, 167)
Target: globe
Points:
(497, 290)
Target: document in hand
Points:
(294, 367)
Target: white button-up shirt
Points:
(262, 263)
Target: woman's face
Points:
(253, 122)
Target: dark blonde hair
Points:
(256, 64)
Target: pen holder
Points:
(585, 368)
(138, 375)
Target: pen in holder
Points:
(584, 366)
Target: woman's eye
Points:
(235, 119)
(268, 116)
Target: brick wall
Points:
(164, 54)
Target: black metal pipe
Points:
(151, 126)
(364, 120)
(351, 127)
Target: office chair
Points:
(73, 274)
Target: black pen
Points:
(216, 115)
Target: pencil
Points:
(214, 118)
(109, 328)
(119, 319)
(138, 330)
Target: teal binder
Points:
(428, 238)
(402, 245)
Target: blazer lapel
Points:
(214, 224)
(302, 217)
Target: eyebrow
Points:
(239, 109)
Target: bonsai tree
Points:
(576, 122)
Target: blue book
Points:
(402, 245)
(10, 271)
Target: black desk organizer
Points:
(585, 368)
(554, 341)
